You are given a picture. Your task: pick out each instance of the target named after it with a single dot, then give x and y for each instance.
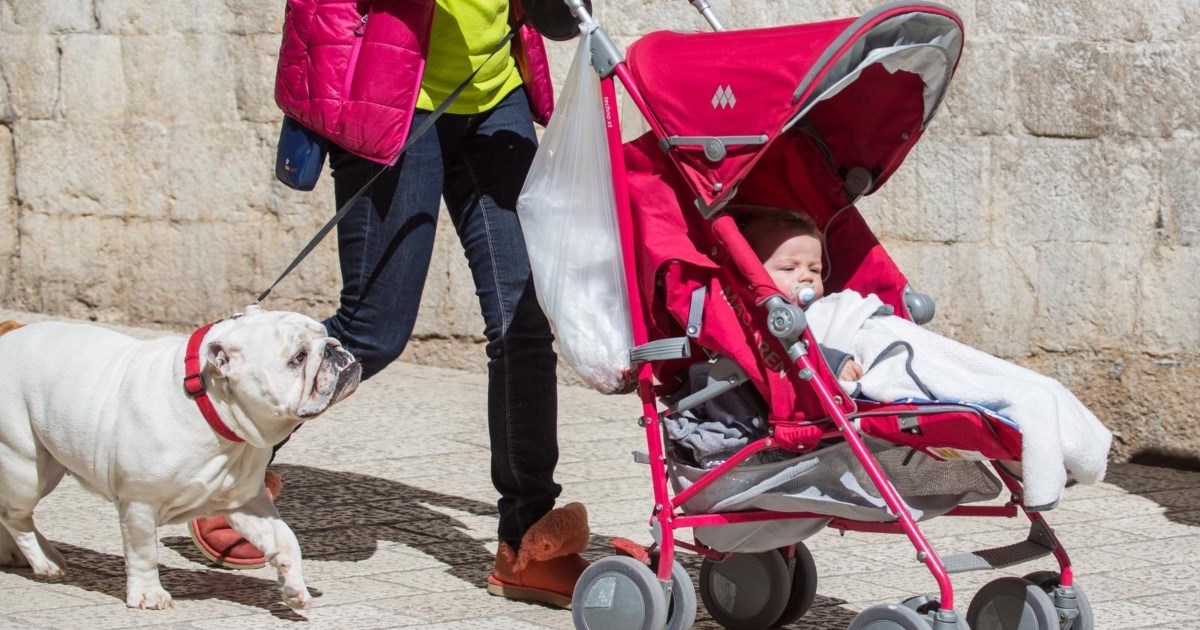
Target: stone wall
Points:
(1052, 207)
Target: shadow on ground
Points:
(340, 516)
(1167, 477)
(105, 573)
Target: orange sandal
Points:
(222, 545)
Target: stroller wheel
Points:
(889, 617)
(681, 610)
(1049, 580)
(1012, 603)
(748, 591)
(618, 593)
(804, 587)
(927, 605)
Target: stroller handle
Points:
(706, 11)
(581, 11)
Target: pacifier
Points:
(804, 294)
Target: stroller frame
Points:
(842, 417)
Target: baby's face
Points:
(796, 262)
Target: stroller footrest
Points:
(1040, 543)
(994, 558)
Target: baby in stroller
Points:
(786, 244)
(906, 362)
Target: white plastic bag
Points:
(568, 215)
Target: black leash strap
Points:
(412, 137)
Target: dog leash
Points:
(412, 137)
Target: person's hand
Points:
(852, 371)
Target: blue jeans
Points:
(478, 164)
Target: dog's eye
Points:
(298, 359)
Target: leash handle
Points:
(412, 137)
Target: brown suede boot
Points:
(548, 564)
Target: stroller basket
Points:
(829, 481)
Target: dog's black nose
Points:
(339, 357)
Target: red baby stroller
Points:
(811, 116)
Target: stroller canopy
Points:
(864, 89)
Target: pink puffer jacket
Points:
(354, 77)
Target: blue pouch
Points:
(300, 156)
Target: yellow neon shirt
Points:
(464, 32)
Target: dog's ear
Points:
(253, 309)
(222, 359)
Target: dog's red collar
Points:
(193, 384)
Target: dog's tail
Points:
(8, 325)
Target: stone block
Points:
(449, 307)
(132, 17)
(93, 77)
(240, 17)
(463, 317)
(1087, 296)
(47, 16)
(205, 171)
(254, 61)
(29, 68)
(1143, 400)
(1064, 88)
(1101, 191)
(94, 267)
(1161, 407)
(1122, 20)
(185, 172)
(8, 191)
(981, 99)
(72, 266)
(1180, 207)
(986, 295)
(176, 78)
(251, 17)
(433, 319)
(6, 112)
(638, 17)
(203, 272)
(1168, 301)
(940, 193)
(1153, 88)
(103, 167)
(8, 213)
(311, 288)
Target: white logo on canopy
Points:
(724, 97)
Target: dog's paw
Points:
(149, 598)
(48, 569)
(296, 597)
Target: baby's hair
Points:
(773, 220)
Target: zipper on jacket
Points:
(359, 30)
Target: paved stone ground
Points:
(390, 498)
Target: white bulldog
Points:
(113, 411)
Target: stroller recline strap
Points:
(674, 347)
(696, 312)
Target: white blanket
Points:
(1059, 434)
